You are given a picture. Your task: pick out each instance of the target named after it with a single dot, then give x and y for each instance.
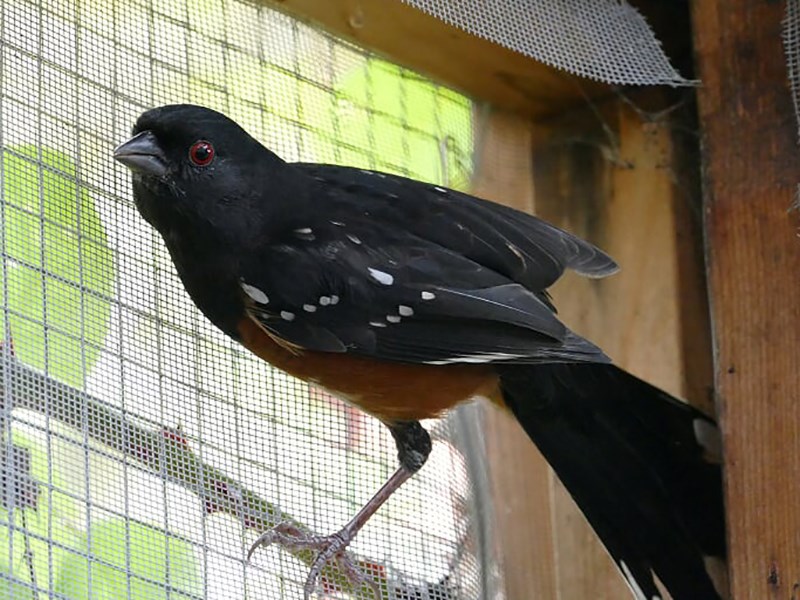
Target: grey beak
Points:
(142, 154)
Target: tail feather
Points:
(634, 461)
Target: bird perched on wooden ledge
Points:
(406, 299)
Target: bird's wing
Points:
(520, 246)
(363, 286)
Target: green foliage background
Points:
(59, 266)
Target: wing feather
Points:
(416, 310)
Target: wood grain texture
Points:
(615, 179)
(521, 481)
(447, 54)
(617, 186)
(751, 162)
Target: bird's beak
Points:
(142, 154)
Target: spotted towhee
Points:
(406, 299)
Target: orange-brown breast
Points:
(389, 391)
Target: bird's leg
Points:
(413, 448)
(413, 444)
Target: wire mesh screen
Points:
(607, 40)
(791, 46)
(143, 451)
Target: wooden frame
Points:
(629, 183)
(750, 180)
(489, 72)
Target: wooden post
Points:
(751, 171)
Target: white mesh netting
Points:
(142, 451)
(607, 40)
(791, 46)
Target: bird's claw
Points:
(331, 548)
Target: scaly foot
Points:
(331, 548)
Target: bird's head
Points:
(194, 164)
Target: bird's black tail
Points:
(642, 466)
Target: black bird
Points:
(405, 299)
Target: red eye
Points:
(201, 153)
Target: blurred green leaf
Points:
(51, 521)
(378, 116)
(129, 553)
(58, 262)
(12, 589)
(407, 123)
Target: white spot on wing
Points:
(474, 358)
(353, 238)
(309, 308)
(393, 318)
(304, 233)
(632, 583)
(255, 293)
(428, 295)
(380, 276)
(287, 316)
(366, 172)
(516, 252)
(334, 299)
(337, 223)
(441, 190)
(405, 311)
(490, 357)
(324, 300)
(377, 324)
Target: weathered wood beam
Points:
(751, 170)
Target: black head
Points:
(194, 166)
